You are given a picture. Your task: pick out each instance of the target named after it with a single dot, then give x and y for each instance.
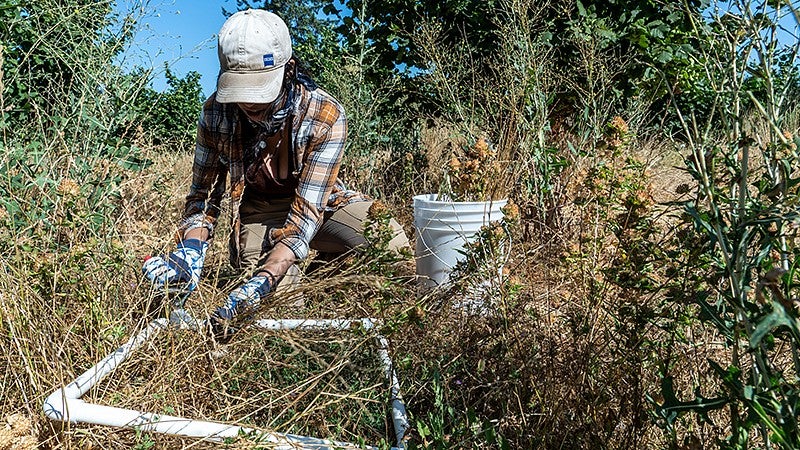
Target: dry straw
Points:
(2, 89)
(18, 433)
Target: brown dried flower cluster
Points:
(617, 133)
(475, 175)
(68, 188)
(511, 214)
(377, 210)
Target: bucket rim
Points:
(433, 199)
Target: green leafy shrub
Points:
(743, 210)
(169, 118)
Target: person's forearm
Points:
(197, 233)
(278, 262)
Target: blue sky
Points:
(181, 32)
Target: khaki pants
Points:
(341, 231)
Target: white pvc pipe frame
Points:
(65, 403)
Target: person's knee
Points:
(400, 240)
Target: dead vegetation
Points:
(596, 313)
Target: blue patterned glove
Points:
(180, 271)
(244, 298)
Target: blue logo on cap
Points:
(269, 60)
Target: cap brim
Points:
(250, 87)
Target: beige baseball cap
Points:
(253, 48)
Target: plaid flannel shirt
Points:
(319, 129)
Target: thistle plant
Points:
(378, 256)
(745, 205)
(485, 256)
(616, 133)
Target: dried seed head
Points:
(772, 228)
(790, 138)
(498, 232)
(510, 212)
(616, 133)
(619, 125)
(482, 145)
(377, 209)
(455, 164)
(418, 312)
(644, 199)
(68, 188)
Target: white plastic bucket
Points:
(442, 229)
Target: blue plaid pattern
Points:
(245, 298)
(181, 270)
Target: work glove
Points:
(180, 271)
(244, 299)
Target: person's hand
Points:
(180, 270)
(244, 298)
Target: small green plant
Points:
(377, 255)
(170, 117)
(390, 266)
(144, 441)
(444, 427)
(490, 247)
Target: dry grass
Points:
(316, 384)
(587, 322)
(564, 363)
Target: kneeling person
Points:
(278, 139)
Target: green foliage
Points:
(444, 427)
(485, 253)
(390, 27)
(69, 129)
(143, 440)
(652, 36)
(170, 117)
(377, 258)
(51, 50)
(377, 255)
(745, 208)
(543, 81)
(68, 148)
(648, 40)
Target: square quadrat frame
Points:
(65, 403)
